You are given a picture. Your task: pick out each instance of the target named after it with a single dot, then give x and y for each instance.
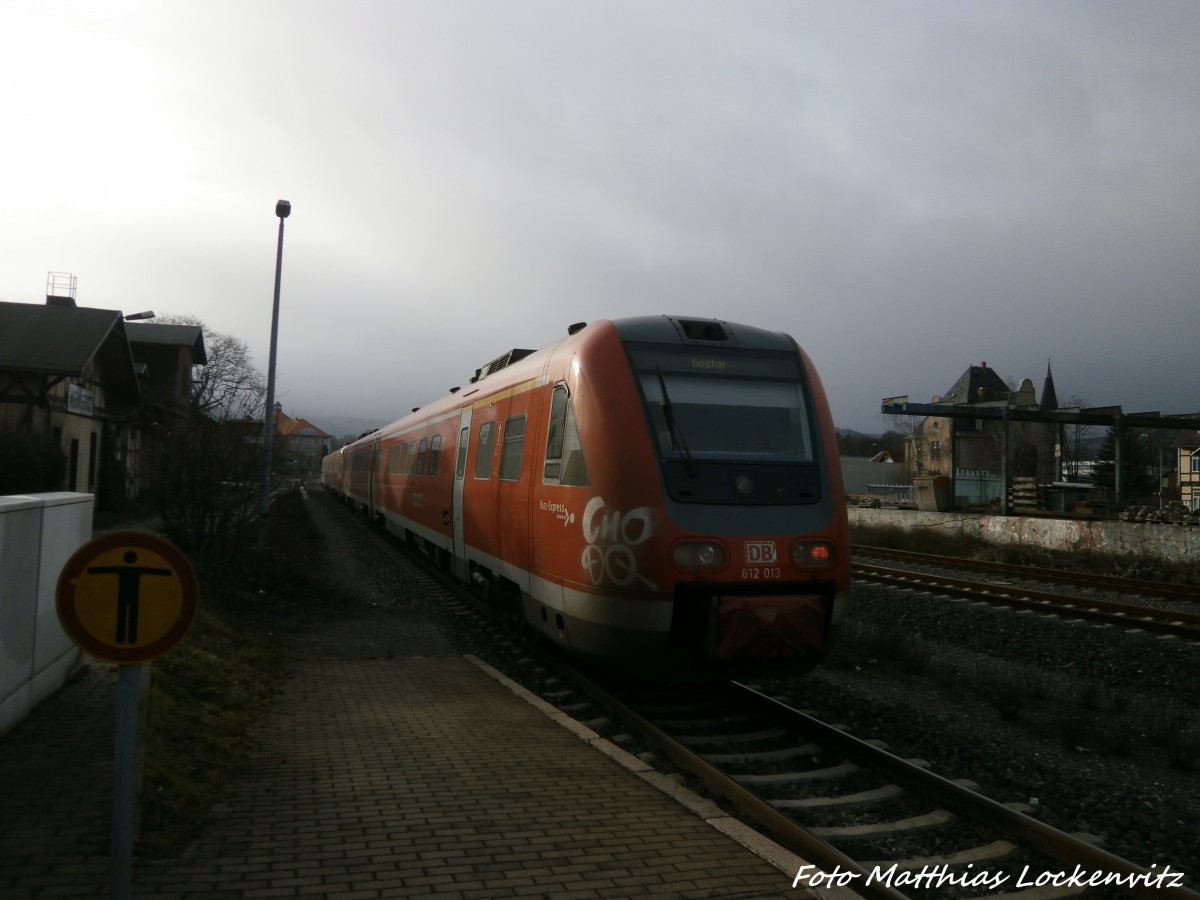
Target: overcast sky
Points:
(908, 188)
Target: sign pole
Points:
(120, 875)
(126, 597)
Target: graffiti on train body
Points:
(611, 536)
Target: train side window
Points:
(435, 452)
(486, 443)
(393, 460)
(460, 466)
(421, 456)
(412, 457)
(402, 462)
(564, 456)
(513, 450)
(554, 434)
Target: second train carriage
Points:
(656, 493)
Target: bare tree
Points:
(208, 465)
(228, 388)
(907, 428)
(1079, 441)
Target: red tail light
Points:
(812, 554)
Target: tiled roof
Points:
(977, 384)
(170, 335)
(63, 340)
(285, 424)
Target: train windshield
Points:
(724, 404)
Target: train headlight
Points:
(699, 556)
(812, 554)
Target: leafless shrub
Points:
(1008, 692)
(207, 479)
(207, 468)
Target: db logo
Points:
(760, 552)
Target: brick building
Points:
(982, 453)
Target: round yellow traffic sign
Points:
(127, 597)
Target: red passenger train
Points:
(658, 494)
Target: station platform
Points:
(423, 776)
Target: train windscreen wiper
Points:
(677, 440)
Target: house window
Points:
(514, 448)
(1196, 462)
(935, 449)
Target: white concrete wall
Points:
(38, 534)
(1172, 542)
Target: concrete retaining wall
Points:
(1173, 542)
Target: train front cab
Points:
(713, 528)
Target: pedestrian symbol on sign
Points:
(129, 587)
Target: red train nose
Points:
(783, 627)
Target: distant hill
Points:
(858, 443)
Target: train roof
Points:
(699, 331)
(517, 364)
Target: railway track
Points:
(1091, 581)
(866, 819)
(1179, 622)
(882, 826)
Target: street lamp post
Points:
(283, 209)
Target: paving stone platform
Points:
(405, 777)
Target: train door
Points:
(456, 505)
(373, 482)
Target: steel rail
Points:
(783, 829)
(1186, 592)
(1055, 843)
(1158, 621)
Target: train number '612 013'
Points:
(761, 573)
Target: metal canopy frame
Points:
(1109, 416)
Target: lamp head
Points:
(283, 209)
